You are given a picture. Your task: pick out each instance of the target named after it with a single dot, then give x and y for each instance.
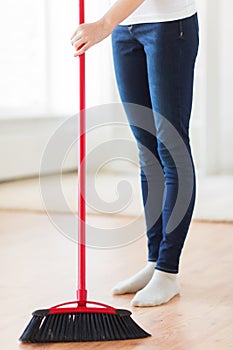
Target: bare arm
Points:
(87, 35)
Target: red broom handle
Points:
(81, 291)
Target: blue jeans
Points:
(154, 67)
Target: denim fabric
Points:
(154, 67)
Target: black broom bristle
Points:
(81, 327)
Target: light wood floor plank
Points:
(37, 266)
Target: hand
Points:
(87, 35)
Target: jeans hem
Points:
(167, 270)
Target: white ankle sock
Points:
(137, 281)
(162, 287)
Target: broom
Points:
(87, 320)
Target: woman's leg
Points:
(171, 50)
(132, 78)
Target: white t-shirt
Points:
(151, 11)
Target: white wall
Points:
(22, 58)
(215, 85)
(39, 79)
(225, 86)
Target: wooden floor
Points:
(38, 271)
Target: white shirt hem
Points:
(154, 18)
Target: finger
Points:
(75, 32)
(78, 30)
(82, 50)
(76, 37)
(73, 35)
(77, 44)
(77, 40)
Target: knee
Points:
(150, 163)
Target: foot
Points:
(136, 282)
(162, 287)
